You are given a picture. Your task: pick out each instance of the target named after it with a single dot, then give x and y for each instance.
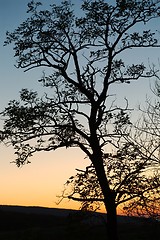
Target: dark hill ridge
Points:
(57, 213)
(32, 223)
(15, 217)
(36, 210)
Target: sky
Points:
(39, 183)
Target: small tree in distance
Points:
(85, 55)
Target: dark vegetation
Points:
(30, 223)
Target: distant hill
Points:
(17, 217)
(36, 210)
(32, 223)
(58, 213)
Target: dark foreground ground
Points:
(30, 223)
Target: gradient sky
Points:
(40, 182)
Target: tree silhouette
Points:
(133, 174)
(85, 57)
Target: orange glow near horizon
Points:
(39, 183)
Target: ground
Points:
(27, 224)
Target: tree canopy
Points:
(84, 54)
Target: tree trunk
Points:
(108, 193)
(109, 201)
(112, 229)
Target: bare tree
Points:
(85, 55)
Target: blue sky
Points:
(12, 13)
(49, 168)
